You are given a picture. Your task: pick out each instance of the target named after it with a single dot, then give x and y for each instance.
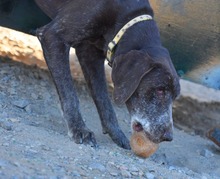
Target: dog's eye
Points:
(160, 92)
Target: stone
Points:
(135, 173)
(125, 174)
(3, 163)
(149, 175)
(172, 168)
(21, 103)
(75, 174)
(14, 120)
(134, 169)
(97, 166)
(206, 153)
(6, 125)
(6, 144)
(114, 174)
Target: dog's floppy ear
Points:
(127, 72)
(161, 58)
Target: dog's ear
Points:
(127, 72)
(161, 58)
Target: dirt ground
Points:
(34, 141)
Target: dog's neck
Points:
(140, 36)
(113, 44)
(131, 9)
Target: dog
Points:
(124, 32)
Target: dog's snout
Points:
(167, 136)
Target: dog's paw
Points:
(117, 136)
(120, 139)
(83, 136)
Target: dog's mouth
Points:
(138, 127)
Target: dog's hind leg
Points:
(92, 62)
(56, 54)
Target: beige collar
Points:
(119, 35)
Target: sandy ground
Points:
(34, 141)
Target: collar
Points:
(118, 36)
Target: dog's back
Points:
(51, 8)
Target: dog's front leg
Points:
(92, 62)
(56, 54)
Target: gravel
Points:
(34, 141)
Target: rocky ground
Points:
(34, 141)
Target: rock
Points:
(133, 169)
(34, 123)
(149, 175)
(6, 125)
(17, 164)
(206, 153)
(75, 174)
(29, 109)
(172, 168)
(46, 148)
(125, 174)
(123, 167)
(33, 151)
(53, 177)
(34, 96)
(135, 173)
(12, 91)
(114, 174)
(204, 177)
(3, 163)
(97, 166)
(14, 120)
(6, 144)
(141, 173)
(21, 103)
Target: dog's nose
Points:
(167, 136)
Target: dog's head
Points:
(147, 83)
